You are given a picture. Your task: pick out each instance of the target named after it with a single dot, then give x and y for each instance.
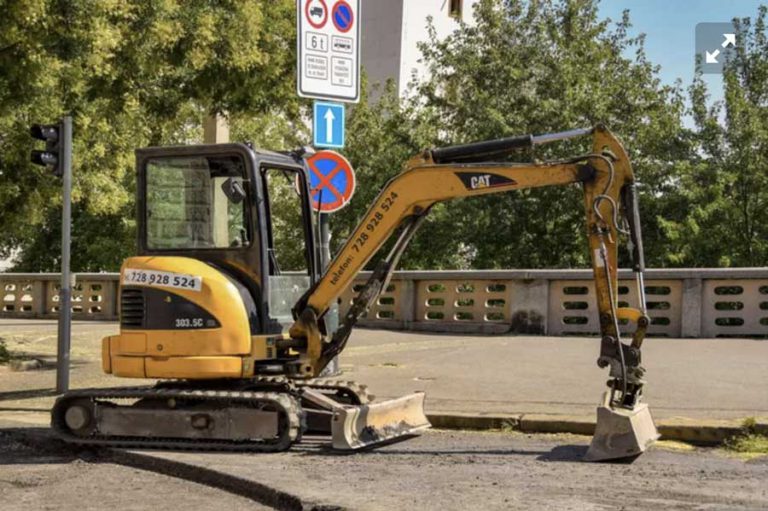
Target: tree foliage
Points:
(525, 67)
(136, 73)
(132, 73)
(722, 194)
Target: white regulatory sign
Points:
(132, 276)
(329, 49)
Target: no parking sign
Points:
(331, 181)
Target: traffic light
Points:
(52, 156)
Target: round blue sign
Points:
(331, 181)
(342, 16)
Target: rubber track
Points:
(283, 401)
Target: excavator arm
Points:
(454, 172)
(463, 171)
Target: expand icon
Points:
(713, 43)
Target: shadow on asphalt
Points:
(47, 360)
(22, 409)
(37, 446)
(572, 453)
(315, 446)
(563, 453)
(569, 453)
(15, 452)
(26, 394)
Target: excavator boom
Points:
(463, 171)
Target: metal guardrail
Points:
(681, 303)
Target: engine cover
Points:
(179, 318)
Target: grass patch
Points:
(749, 440)
(510, 426)
(5, 355)
(673, 445)
(8, 357)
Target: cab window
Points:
(189, 204)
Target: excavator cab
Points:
(205, 304)
(221, 205)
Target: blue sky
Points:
(670, 27)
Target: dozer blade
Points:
(621, 433)
(358, 427)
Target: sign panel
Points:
(331, 181)
(329, 49)
(329, 125)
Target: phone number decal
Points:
(162, 279)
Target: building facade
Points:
(392, 30)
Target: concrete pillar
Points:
(39, 298)
(529, 306)
(215, 129)
(408, 305)
(110, 298)
(692, 305)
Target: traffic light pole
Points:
(65, 294)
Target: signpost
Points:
(329, 49)
(328, 56)
(332, 184)
(329, 125)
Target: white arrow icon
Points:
(730, 39)
(712, 57)
(329, 118)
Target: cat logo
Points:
(482, 181)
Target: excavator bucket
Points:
(368, 425)
(621, 433)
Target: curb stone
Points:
(696, 431)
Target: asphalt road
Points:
(35, 480)
(722, 378)
(691, 378)
(439, 471)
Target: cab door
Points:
(290, 238)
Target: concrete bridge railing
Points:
(36, 295)
(681, 302)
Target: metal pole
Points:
(332, 316)
(65, 295)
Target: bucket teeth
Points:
(621, 433)
(359, 427)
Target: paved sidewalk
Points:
(695, 378)
(700, 379)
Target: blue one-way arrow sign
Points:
(329, 125)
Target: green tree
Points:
(133, 74)
(723, 188)
(523, 67)
(383, 134)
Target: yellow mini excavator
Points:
(237, 345)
